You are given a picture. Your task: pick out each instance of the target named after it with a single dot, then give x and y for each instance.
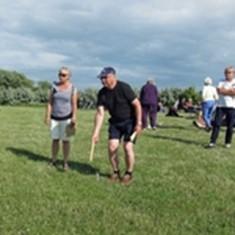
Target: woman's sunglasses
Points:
(63, 74)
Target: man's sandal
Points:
(115, 177)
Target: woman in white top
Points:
(209, 97)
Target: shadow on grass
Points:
(177, 139)
(173, 127)
(82, 168)
(190, 117)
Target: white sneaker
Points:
(228, 146)
(211, 145)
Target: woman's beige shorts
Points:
(58, 129)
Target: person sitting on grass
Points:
(225, 108)
(125, 111)
(199, 122)
(61, 113)
(189, 106)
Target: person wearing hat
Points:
(209, 97)
(125, 118)
(225, 108)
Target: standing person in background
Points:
(225, 108)
(209, 97)
(149, 102)
(61, 113)
(125, 110)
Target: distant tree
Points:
(23, 95)
(169, 96)
(191, 93)
(12, 79)
(41, 95)
(137, 91)
(16, 88)
(44, 85)
(6, 96)
(41, 91)
(87, 98)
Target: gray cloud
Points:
(178, 43)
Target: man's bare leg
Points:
(130, 161)
(113, 145)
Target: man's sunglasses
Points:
(103, 77)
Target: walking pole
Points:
(92, 151)
(133, 137)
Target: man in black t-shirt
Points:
(125, 118)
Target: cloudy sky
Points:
(176, 42)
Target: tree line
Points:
(17, 89)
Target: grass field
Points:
(179, 187)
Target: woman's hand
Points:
(73, 120)
(47, 121)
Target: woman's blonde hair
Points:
(65, 69)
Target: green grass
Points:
(179, 187)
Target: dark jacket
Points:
(149, 95)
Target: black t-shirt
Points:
(118, 101)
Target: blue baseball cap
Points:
(105, 71)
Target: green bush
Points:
(14, 80)
(170, 96)
(16, 88)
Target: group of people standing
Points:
(129, 114)
(125, 112)
(221, 102)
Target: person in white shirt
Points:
(209, 97)
(225, 108)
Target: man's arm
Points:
(99, 118)
(216, 95)
(138, 115)
(228, 92)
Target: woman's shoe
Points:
(66, 166)
(127, 178)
